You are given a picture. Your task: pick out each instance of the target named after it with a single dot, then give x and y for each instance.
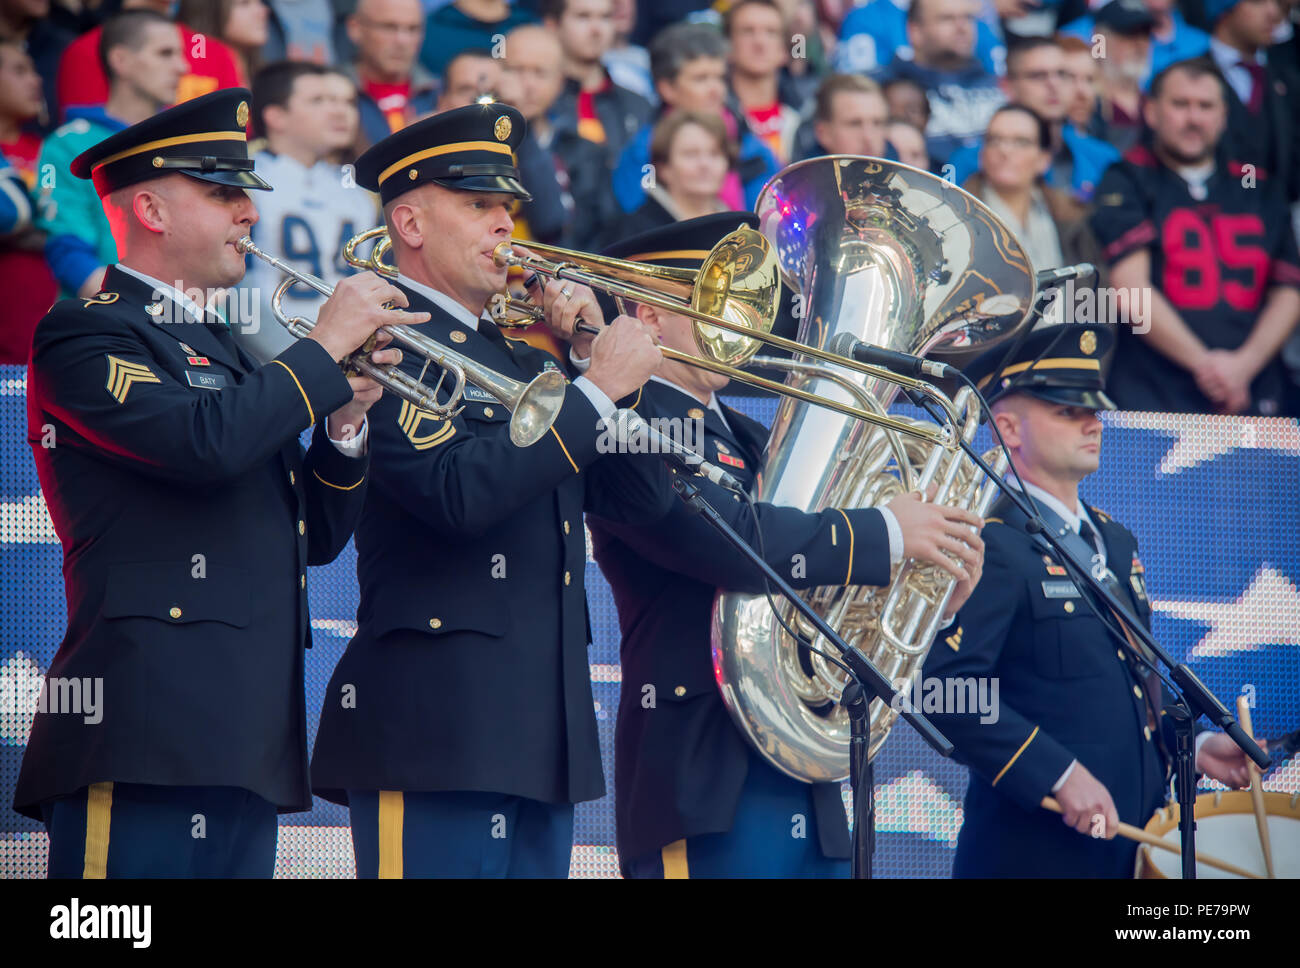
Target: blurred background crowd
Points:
(1159, 140)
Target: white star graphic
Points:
(1266, 613)
(1201, 437)
(915, 804)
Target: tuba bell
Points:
(905, 260)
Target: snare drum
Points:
(1226, 830)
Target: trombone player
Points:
(693, 799)
(459, 725)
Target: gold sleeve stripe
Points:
(572, 463)
(848, 524)
(391, 813)
(410, 417)
(338, 487)
(311, 415)
(123, 374)
(1016, 757)
(675, 866)
(99, 810)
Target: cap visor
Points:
(487, 183)
(1072, 397)
(232, 177)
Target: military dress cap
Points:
(1061, 364)
(682, 245)
(204, 138)
(470, 149)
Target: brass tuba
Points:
(905, 260)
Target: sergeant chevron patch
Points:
(123, 374)
(411, 417)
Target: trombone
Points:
(533, 405)
(735, 289)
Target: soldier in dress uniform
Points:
(188, 515)
(1079, 717)
(692, 797)
(459, 725)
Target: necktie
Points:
(1256, 71)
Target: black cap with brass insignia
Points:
(1061, 364)
(470, 149)
(203, 138)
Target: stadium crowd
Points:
(1159, 140)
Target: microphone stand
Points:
(866, 679)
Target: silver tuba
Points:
(905, 260)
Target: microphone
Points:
(630, 423)
(1054, 277)
(846, 344)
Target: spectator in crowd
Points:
(1051, 224)
(21, 102)
(872, 35)
(1261, 111)
(810, 44)
(572, 175)
(313, 210)
(1217, 256)
(465, 24)
(908, 142)
(590, 101)
(1038, 79)
(1123, 32)
(1172, 37)
(689, 64)
(759, 42)
(691, 154)
(24, 276)
(1081, 96)
(82, 83)
(906, 101)
(393, 87)
(628, 63)
(140, 53)
(309, 30)
(962, 93)
(239, 24)
(469, 75)
(849, 118)
(28, 22)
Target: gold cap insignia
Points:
(1088, 342)
(502, 128)
(157, 161)
(457, 336)
(154, 309)
(413, 174)
(241, 114)
(695, 413)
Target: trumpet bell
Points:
(536, 407)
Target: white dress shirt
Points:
(353, 446)
(1229, 60)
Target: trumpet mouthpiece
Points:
(245, 245)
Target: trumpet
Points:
(533, 405)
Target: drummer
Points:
(1080, 716)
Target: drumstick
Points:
(1129, 832)
(1256, 790)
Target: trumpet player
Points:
(188, 515)
(1080, 719)
(692, 798)
(459, 725)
